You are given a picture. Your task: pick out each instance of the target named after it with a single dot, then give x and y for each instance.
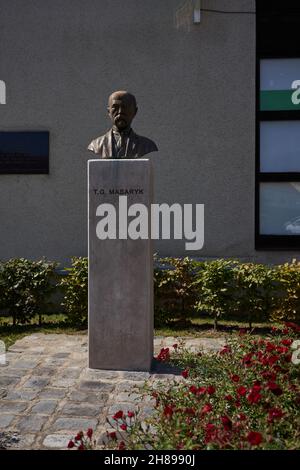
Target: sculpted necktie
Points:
(121, 146)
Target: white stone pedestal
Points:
(120, 270)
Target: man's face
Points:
(121, 109)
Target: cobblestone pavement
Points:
(47, 393)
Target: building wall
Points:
(195, 86)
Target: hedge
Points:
(183, 288)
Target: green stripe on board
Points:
(277, 100)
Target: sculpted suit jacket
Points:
(137, 145)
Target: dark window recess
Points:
(24, 152)
(277, 193)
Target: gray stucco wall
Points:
(195, 86)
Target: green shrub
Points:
(287, 306)
(254, 292)
(216, 286)
(75, 287)
(26, 288)
(175, 290)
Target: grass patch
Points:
(50, 324)
(205, 327)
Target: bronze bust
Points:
(121, 141)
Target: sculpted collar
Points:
(124, 132)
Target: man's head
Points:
(121, 109)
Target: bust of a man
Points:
(121, 141)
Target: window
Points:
(278, 127)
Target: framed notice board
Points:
(24, 152)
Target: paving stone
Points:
(36, 382)
(74, 424)
(31, 423)
(76, 409)
(57, 441)
(5, 420)
(92, 385)
(54, 361)
(26, 364)
(6, 381)
(21, 395)
(12, 406)
(25, 443)
(38, 349)
(61, 355)
(88, 397)
(53, 393)
(134, 375)
(60, 382)
(128, 386)
(127, 397)
(12, 372)
(44, 407)
(90, 374)
(45, 371)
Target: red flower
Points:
(206, 408)
(247, 360)
(293, 326)
(282, 349)
(286, 342)
(242, 331)
(210, 433)
(210, 427)
(254, 438)
(275, 413)
(201, 391)
(79, 436)
(228, 397)
(81, 447)
(89, 433)
(270, 346)
(210, 390)
(269, 375)
(130, 414)
(164, 355)
(242, 417)
(113, 435)
(274, 388)
(227, 423)
(190, 411)
(71, 444)
(185, 373)
(235, 378)
(256, 387)
(193, 389)
(175, 346)
(254, 397)
(242, 391)
(273, 359)
(123, 427)
(122, 445)
(168, 411)
(225, 350)
(118, 415)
